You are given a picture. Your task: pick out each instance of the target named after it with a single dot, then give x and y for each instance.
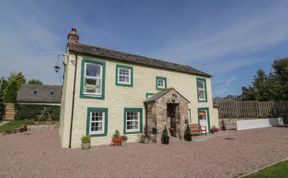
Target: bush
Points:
(187, 134)
(10, 92)
(2, 107)
(37, 112)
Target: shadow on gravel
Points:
(229, 138)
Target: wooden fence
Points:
(252, 109)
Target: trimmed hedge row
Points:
(37, 112)
(1, 110)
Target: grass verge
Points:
(15, 124)
(279, 170)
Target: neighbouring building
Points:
(105, 90)
(39, 94)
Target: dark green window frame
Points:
(149, 94)
(90, 60)
(91, 109)
(140, 119)
(131, 75)
(161, 78)
(205, 91)
(208, 117)
(190, 116)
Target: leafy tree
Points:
(269, 87)
(3, 84)
(15, 81)
(35, 81)
(11, 92)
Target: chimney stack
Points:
(72, 36)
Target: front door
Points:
(172, 114)
(203, 117)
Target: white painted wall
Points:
(258, 123)
(118, 97)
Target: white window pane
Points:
(201, 84)
(124, 75)
(98, 86)
(201, 94)
(90, 85)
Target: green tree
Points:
(18, 77)
(269, 87)
(35, 81)
(11, 92)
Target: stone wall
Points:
(9, 111)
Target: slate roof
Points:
(25, 94)
(162, 93)
(77, 47)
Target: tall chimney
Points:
(72, 36)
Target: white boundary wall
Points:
(258, 123)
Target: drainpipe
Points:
(73, 100)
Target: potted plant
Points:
(124, 139)
(214, 129)
(86, 140)
(165, 136)
(116, 139)
(187, 134)
(146, 140)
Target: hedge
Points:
(1, 110)
(37, 112)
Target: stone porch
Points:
(166, 108)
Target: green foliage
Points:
(12, 125)
(3, 84)
(86, 139)
(278, 170)
(36, 82)
(165, 133)
(18, 77)
(269, 87)
(116, 133)
(37, 112)
(1, 110)
(187, 134)
(10, 92)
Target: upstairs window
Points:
(161, 83)
(35, 92)
(124, 75)
(201, 90)
(51, 92)
(93, 79)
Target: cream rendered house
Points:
(105, 90)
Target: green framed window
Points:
(132, 120)
(201, 90)
(148, 95)
(124, 75)
(189, 116)
(92, 79)
(97, 121)
(204, 118)
(161, 83)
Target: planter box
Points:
(258, 123)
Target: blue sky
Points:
(228, 39)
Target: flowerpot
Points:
(165, 140)
(86, 146)
(146, 140)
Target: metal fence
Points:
(252, 109)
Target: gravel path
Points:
(228, 154)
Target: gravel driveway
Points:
(228, 154)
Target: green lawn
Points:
(15, 124)
(279, 170)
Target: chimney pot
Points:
(72, 36)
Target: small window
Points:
(148, 95)
(201, 90)
(133, 120)
(51, 92)
(161, 83)
(97, 121)
(124, 75)
(35, 92)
